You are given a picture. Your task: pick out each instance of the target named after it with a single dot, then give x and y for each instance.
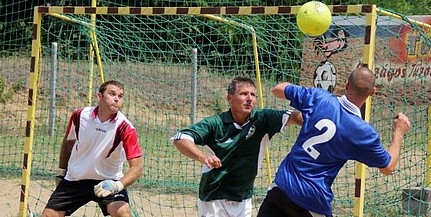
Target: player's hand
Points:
(212, 161)
(60, 175)
(401, 123)
(108, 187)
(209, 159)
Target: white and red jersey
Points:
(100, 149)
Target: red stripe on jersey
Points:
(74, 118)
(126, 134)
(76, 121)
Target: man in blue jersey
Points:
(234, 143)
(333, 132)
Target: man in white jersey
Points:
(333, 132)
(98, 140)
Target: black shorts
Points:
(277, 204)
(71, 195)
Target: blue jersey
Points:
(332, 133)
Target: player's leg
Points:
(47, 212)
(67, 198)
(119, 209)
(116, 205)
(243, 208)
(270, 206)
(276, 204)
(225, 208)
(213, 208)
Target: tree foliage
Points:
(16, 16)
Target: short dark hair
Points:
(231, 88)
(102, 87)
(361, 81)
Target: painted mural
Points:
(402, 54)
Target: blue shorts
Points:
(71, 195)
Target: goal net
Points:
(176, 63)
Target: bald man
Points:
(333, 132)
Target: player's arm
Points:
(109, 187)
(401, 125)
(190, 149)
(295, 118)
(134, 159)
(65, 150)
(278, 90)
(67, 144)
(136, 166)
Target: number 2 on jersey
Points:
(321, 138)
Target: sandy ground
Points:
(10, 200)
(144, 203)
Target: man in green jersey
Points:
(234, 145)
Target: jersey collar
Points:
(349, 106)
(96, 111)
(227, 118)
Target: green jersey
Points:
(240, 149)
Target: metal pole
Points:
(194, 83)
(53, 82)
(428, 158)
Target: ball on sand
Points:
(313, 18)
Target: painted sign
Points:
(402, 52)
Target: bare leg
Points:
(52, 213)
(119, 209)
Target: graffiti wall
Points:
(401, 54)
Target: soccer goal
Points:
(175, 64)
